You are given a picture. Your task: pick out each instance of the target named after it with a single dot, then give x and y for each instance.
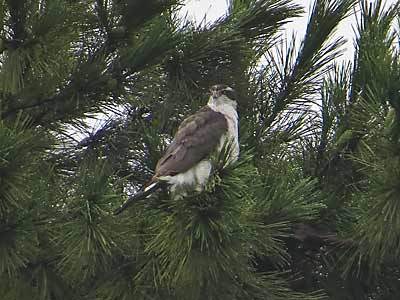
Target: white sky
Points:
(213, 9)
(197, 9)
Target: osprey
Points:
(186, 164)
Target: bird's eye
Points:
(230, 93)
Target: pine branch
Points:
(99, 76)
(18, 16)
(373, 58)
(313, 58)
(135, 14)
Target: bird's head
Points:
(222, 94)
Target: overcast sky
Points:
(213, 9)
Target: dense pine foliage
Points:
(311, 210)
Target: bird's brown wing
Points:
(196, 138)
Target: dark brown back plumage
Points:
(196, 138)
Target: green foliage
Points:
(20, 153)
(16, 146)
(87, 239)
(309, 211)
(291, 76)
(291, 202)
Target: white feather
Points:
(197, 176)
(227, 107)
(150, 186)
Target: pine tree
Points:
(309, 211)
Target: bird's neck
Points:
(225, 106)
(221, 103)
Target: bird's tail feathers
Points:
(138, 196)
(151, 186)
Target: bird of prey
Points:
(186, 164)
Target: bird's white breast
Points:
(197, 176)
(228, 109)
